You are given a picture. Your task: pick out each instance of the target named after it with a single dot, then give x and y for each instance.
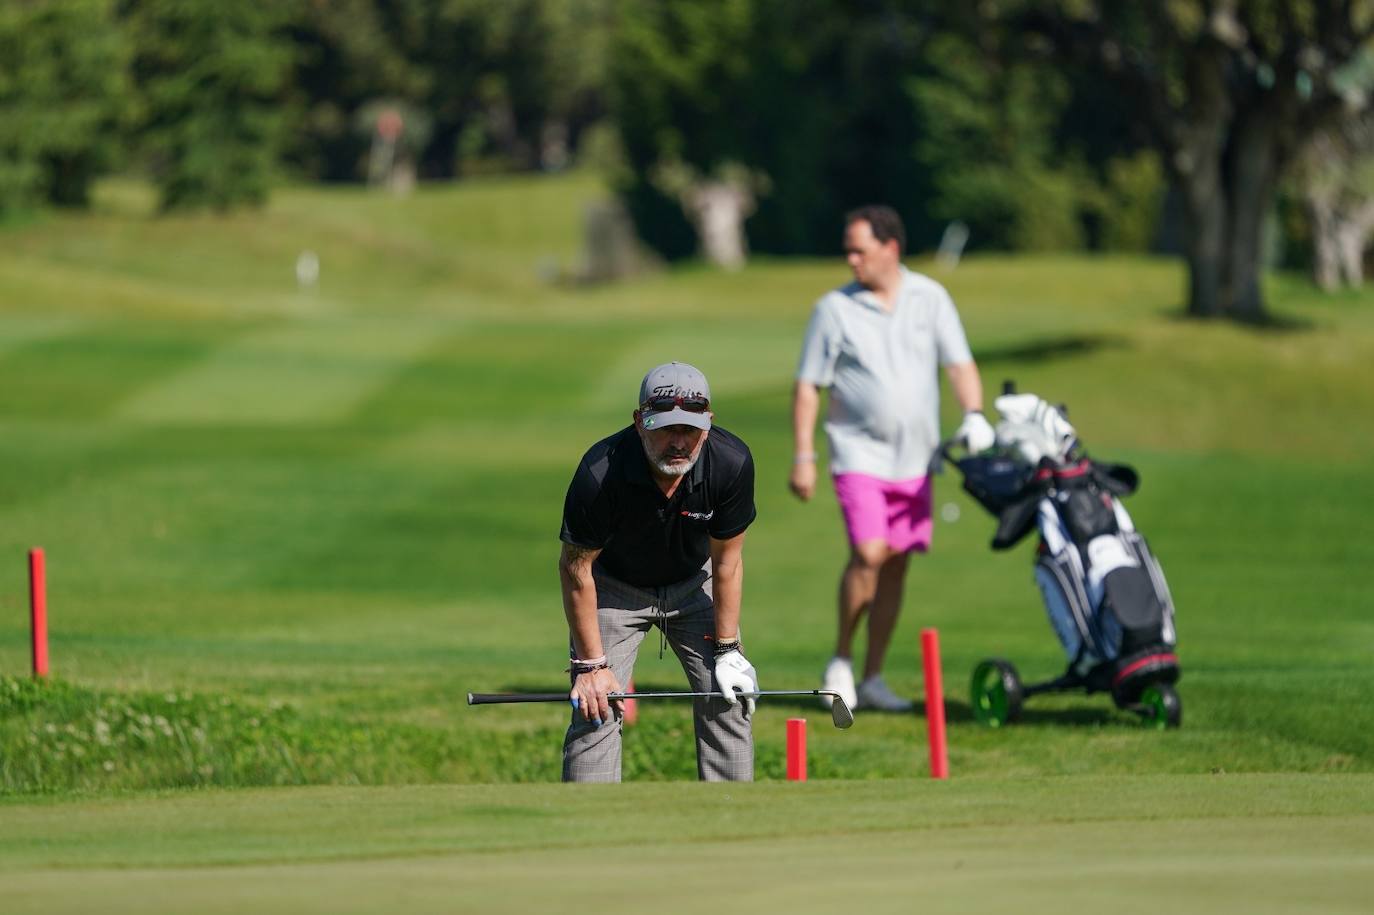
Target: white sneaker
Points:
(839, 678)
(874, 694)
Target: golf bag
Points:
(1103, 590)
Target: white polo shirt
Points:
(882, 370)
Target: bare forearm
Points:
(728, 590)
(579, 600)
(967, 384)
(727, 585)
(806, 400)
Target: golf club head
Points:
(840, 712)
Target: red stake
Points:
(796, 749)
(935, 704)
(38, 611)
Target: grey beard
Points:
(675, 470)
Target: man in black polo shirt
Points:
(653, 534)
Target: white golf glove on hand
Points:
(734, 672)
(975, 432)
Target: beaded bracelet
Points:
(725, 647)
(588, 666)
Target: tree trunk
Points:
(1326, 255)
(71, 180)
(1251, 174)
(1206, 238)
(718, 209)
(1194, 156)
(1361, 225)
(1350, 249)
(1340, 236)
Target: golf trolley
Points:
(1103, 589)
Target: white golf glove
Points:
(734, 672)
(975, 432)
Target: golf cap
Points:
(687, 390)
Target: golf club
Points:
(840, 712)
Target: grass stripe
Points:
(309, 372)
(1268, 865)
(87, 371)
(1257, 843)
(19, 330)
(735, 365)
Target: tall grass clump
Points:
(56, 736)
(61, 737)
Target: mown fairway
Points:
(287, 531)
(1147, 843)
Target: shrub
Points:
(64, 95)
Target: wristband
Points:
(587, 666)
(804, 459)
(726, 646)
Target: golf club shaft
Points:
(493, 698)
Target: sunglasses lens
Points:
(664, 404)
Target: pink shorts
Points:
(895, 511)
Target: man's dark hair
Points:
(884, 222)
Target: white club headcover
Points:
(1033, 428)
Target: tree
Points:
(1336, 179)
(1229, 90)
(212, 77)
(988, 142)
(807, 94)
(837, 103)
(64, 97)
(346, 58)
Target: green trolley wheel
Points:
(1161, 706)
(996, 693)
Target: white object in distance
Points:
(307, 270)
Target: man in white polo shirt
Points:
(876, 345)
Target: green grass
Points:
(305, 523)
(1271, 843)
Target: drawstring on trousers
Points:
(661, 615)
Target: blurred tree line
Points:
(1181, 125)
(839, 103)
(217, 98)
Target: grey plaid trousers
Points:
(686, 615)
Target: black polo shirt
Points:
(645, 538)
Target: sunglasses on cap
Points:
(665, 403)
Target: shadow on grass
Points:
(1268, 322)
(1046, 350)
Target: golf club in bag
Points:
(1103, 589)
(840, 713)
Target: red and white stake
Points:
(796, 749)
(935, 704)
(38, 611)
